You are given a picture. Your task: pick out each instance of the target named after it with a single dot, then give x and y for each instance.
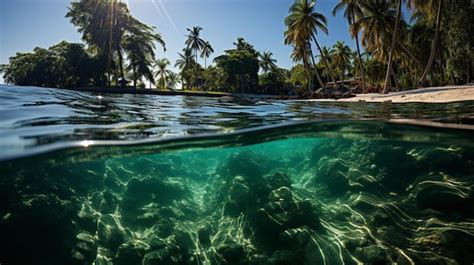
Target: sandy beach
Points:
(428, 95)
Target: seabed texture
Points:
(304, 200)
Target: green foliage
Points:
(299, 77)
(459, 36)
(274, 81)
(241, 66)
(215, 78)
(62, 65)
(375, 71)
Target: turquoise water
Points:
(310, 192)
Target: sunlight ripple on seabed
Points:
(299, 200)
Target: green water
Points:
(319, 193)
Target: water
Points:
(75, 188)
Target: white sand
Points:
(427, 95)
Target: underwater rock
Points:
(129, 253)
(246, 163)
(285, 257)
(232, 253)
(148, 191)
(167, 255)
(238, 198)
(204, 235)
(278, 180)
(85, 250)
(331, 173)
(281, 213)
(444, 196)
(109, 233)
(373, 255)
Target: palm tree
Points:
(267, 63)
(392, 48)
(162, 71)
(184, 63)
(352, 9)
(341, 57)
(140, 48)
(303, 24)
(104, 25)
(172, 80)
(427, 8)
(195, 43)
(206, 51)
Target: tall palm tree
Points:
(206, 51)
(341, 57)
(184, 63)
(392, 48)
(303, 23)
(352, 9)
(195, 43)
(162, 71)
(104, 25)
(267, 62)
(427, 8)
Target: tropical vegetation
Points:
(430, 44)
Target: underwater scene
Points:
(331, 192)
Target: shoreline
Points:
(444, 94)
(127, 90)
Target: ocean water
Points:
(263, 182)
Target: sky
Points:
(26, 24)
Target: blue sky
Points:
(25, 24)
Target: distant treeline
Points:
(435, 47)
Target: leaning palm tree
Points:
(206, 51)
(352, 9)
(162, 72)
(303, 23)
(376, 25)
(392, 48)
(427, 9)
(267, 62)
(341, 58)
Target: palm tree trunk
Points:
(325, 61)
(392, 48)
(195, 68)
(134, 75)
(361, 66)
(395, 80)
(433, 45)
(109, 55)
(122, 75)
(320, 80)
